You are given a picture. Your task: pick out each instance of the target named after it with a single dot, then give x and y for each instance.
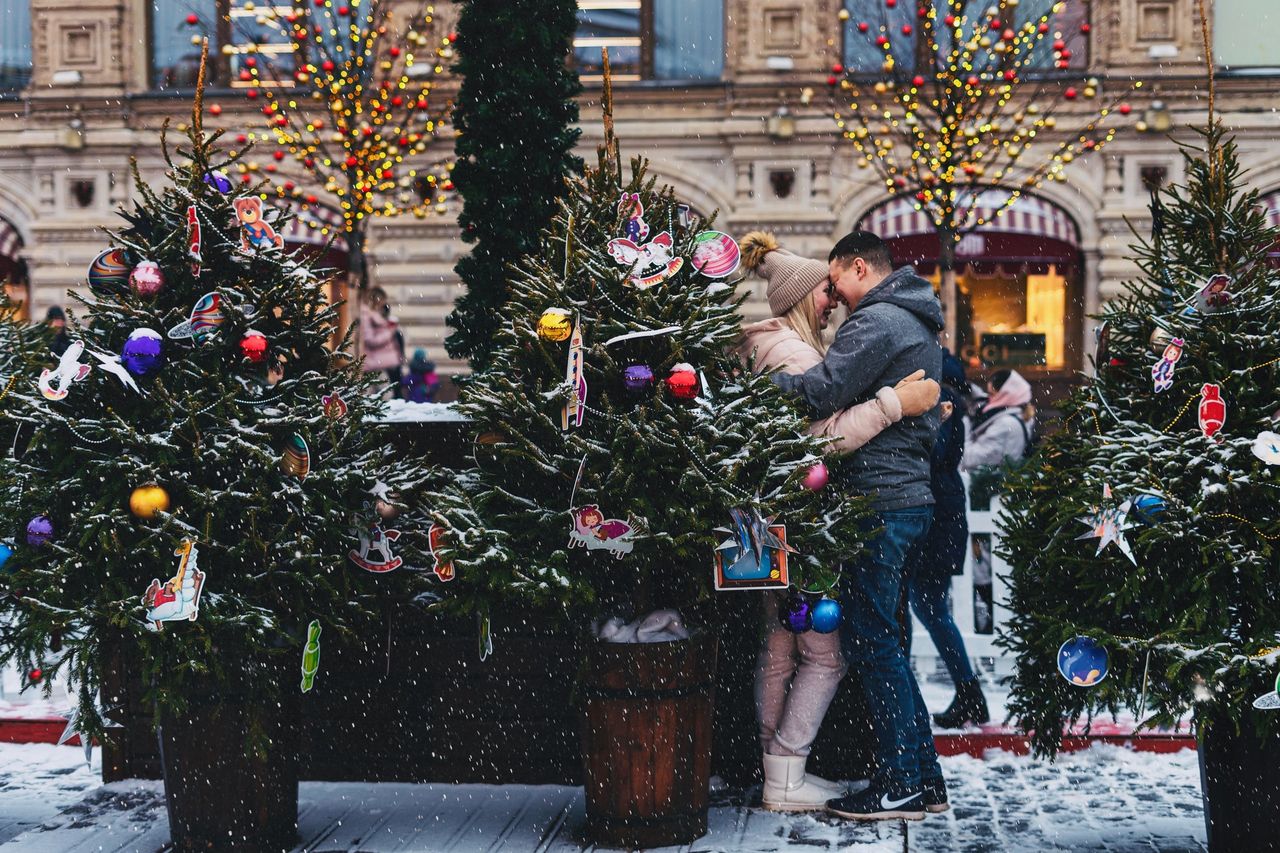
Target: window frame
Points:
(645, 38)
(220, 76)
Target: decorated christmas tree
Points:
(625, 458)
(1141, 538)
(201, 481)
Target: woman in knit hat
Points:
(801, 300)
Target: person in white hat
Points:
(810, 663)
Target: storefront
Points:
(1018, 280)
(13, 270)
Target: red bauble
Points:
(1008, 35)
(327, 65)
(241, 139)
(917, 81)
(251, 94)
(863, 26)
(973, 82)
(891, 3)
(1070, 94)
(881, 41)
(215, 109)
(267, 109)
(949, 20)
(1059, 45)
(344, 11)
(352, 162)
(906, 29)
(1125, 109)
(682, 382)
(250, 61)
(1011, 75)
(394, 51)
(1044, 28)
(253, 346)
(35, 675)
(837, 68)
(1065, 55)
(279, 155)
(193, 19)
(1085, 28)
(832, 80)
(309, 163)
(312, 199)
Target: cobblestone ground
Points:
(1104, 799)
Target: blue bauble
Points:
(1148, 508)
(796, 613)
(5, 553)
(826, 615)
(1083, 662)
(143, 352)
(218, 179)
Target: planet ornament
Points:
(206, 317)
(109, 273)
(715, 254)
(296, 460)
(1265, 702)
(1083, 662)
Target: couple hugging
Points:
(875, 393)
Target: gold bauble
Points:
(555, 325)
(148, 500)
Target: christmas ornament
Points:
(39, 531)
(218, 179)
(816, 479)
(684, 216)
(72, 729)
(638, 379)
(755, 554)
(142, 352)
(1269, 701)
(1108, 525)
(1160, 339)
(148, 500)
(1267, 447)
(1148, 508)
(1162, 370)
(56, 384)
(1214, 296)
(1213, 411)
(682, 382)
(255, 231)
(384, 501)
(333, 406)
(796, 613)
(253, 347)
(311, 656)
(575, 407)
(296, 459)
(193, 241)
(375, 540)
(1083, 662)
(826, 615)
(206, 317)
(643, 333)
(1102, 339)
(6, 551)
(146, 280)
(649, 264)
(555, 325)
(111, 364)
(715, 254)
(179, 598)
(109, 273)
(435, 539)
(635, 229)
(591, 529)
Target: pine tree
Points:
(1188, 623)
(22, 349)
(672, 469)
(210, 425)
(514, 148)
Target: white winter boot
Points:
(788, 789)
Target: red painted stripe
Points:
(41, 730)
(977, 743)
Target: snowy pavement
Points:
(1103, 799)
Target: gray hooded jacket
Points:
(892, 333)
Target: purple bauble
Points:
(39, 531)
(146, 280)
(796, 613)
(142, 352)
(638, 378)
(218, 180)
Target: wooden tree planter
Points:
(1240, 779)
(646, 741)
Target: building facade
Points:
(729, 100)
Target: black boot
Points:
(969, 706)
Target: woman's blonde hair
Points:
(803, 318)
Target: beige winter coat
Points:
(777, 347)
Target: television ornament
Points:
(1162, 370)
(178, 598)
(1213, 411)
(755, 554)
(1083, 662)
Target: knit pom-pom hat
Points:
(790, 276)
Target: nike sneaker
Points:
(934, 794)
(877, 803)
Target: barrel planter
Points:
(646, 741)
(1240, 780)
(220, 794)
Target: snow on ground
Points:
(1102, 799)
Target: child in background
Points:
(421, 383)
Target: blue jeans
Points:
(870, 592)
(929, 568)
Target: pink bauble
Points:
(146, 279)
(817, 477)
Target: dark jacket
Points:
(891, 333)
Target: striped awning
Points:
(1027, 214)
(315, 225)
(10, 241)
(1271, 204)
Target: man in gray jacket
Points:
(891, 331)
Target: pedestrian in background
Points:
(56, 319)
(420, 384)
(378, 337)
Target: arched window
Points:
(15, 44)
(651, 39)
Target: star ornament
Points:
(1107, 524)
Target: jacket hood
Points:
(904, 288)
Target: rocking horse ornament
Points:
(374, 541)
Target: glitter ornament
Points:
(146, 280)
(555, 325)
(253, 346)
(638, 378)
(796, 613)
(143, 352)
(817, 478)
(39, 531)
(683, 382)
